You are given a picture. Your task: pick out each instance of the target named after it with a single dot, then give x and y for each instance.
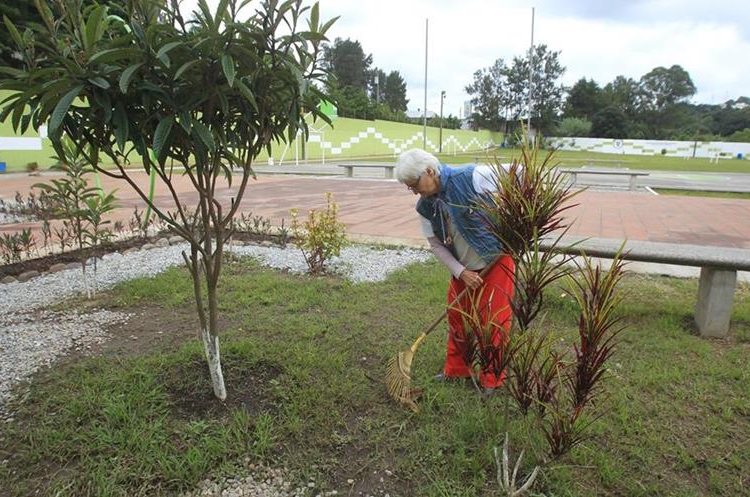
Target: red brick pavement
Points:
(382, 209)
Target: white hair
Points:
(412, 163)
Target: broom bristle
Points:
(398, 379)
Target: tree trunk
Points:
(211, 347)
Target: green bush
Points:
(739, 136)
(573, 126)
(321, 236)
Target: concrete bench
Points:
(718, 275)
(614, 172)
(349, 168)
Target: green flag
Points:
(327, 108)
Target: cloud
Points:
(597, 40)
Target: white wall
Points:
(728, 150)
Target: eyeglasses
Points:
(414, 188)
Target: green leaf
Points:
(247, 94)
(166, 60)
(46, 14)
(204, 134)
(221, 13)
(120, 124)
(185, 121)
(227, 63)
(183, 68)
(127, 75)
(325, 27)
(161, 135)
(61, 109)
(15, 73)
(95, 25)
(100, 82)
(13, 31)
(113, 54)
(314, 17)
(206, 12)
(166, 48)
(18, 111)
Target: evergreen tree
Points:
(395, 92)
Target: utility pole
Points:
(531, 72)
(424, 111)
(440, 147)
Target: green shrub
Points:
(321, 236)
(573, 126)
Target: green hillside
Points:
(348, 138)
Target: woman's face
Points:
(427, 185)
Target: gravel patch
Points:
(259, 481)
(30, 340)
(112, 269)
(6, 218)
(358, 263)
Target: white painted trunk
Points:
(85, 281)
(211, 347)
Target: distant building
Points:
(417, 114)
(468, 109)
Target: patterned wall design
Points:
(397, 145)
(654, 147)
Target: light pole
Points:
(440, 140)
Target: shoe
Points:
(441, 378)
(488, 392)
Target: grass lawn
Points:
(568, 158)
(304, 358)
(703, 193)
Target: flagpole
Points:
(424, 109)
(531, 72)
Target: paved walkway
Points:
(383, 209)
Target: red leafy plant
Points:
(526, 208)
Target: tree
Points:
(376, 84)
(347, 63)
(609, 122)
(490, 96)
(728, 120)
(573, 126)
(395, 92)
(623, 93)
(353, 102)
(663, 87)
(546, 92)
(208, 94)
(585, 99)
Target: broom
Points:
(398, 370)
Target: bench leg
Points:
(713, 310)
(388, 173)
(632, 182)
(573, 178)
(349, 172)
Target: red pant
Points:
(493, 303)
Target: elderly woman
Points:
(458, 238)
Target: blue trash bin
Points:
(2, 167)
(739, 155)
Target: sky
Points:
(597, 39)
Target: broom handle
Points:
(437, 321)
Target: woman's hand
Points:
(471, 279)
